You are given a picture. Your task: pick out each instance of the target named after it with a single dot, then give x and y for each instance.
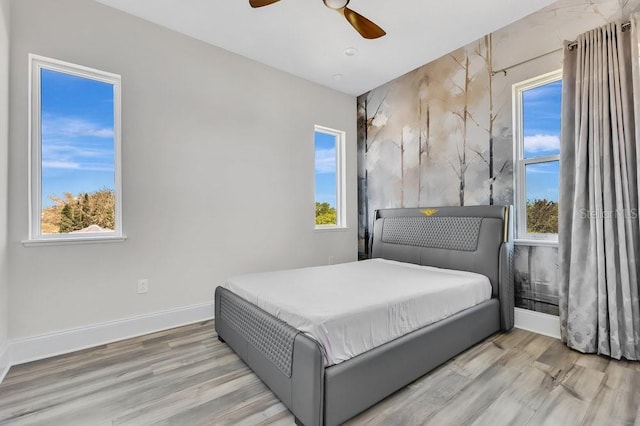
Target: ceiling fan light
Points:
(336, 4)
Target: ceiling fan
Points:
(365, 27)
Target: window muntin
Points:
(329, 178)
(75, 152)
(537, 116)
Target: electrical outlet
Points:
(143, 285)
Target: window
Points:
(537, 141)
(329, 178)
(75, 152)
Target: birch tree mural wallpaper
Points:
(432, 137)
(442, 134)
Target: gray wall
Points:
(4, 134)
(218, 170)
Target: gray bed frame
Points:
(291, 363)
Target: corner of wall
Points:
(4, 363)
(4, 187)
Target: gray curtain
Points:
(599, 238)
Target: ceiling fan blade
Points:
(260, 3)
(365, 27)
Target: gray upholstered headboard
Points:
(472, 238)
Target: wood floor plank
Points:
(478, 359)
(593, 362)
(513, 338)
(475, 398)
(104, 375)
(124, 391)
(88, 357)
(185, 399)
(556, 356)
(415, 402)
(185, 376)
(208, 411)
(518, 403)
(569, 401)
(617, 401)
(536, 344)
(275, 413)
(251, 409)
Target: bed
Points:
(322, 383)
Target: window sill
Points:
(330, 229)
(75, 240)
(532, 242)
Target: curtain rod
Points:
(571, 46)
(504, 70)
(574, 44)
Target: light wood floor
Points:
(185, 376)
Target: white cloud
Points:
(98, 167)
(537, 143)
(68, 156)
(65, 147)
(326, 160)
(541, 169)
(73, 127)
(73, 165)
(58, 150)
(100, 133)
(67, 165)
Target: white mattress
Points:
(353, 307)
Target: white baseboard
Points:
(540, 323)
(58, 343)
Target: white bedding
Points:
(353, 307)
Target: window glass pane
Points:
(541, 119)
(542, 197)
(78, 154)
(325, 178)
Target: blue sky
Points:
(77, 135)
(541, 122)
(325, 168)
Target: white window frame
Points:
(36, 64)
(340, 178)
(520, 163)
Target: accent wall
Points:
(442, 135)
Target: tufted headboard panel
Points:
(473, 238)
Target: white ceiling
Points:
(305, 38)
